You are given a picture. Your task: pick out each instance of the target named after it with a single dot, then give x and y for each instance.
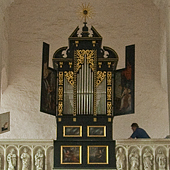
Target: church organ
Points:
(85, 91)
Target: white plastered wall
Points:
(120, 23)
(4, 50)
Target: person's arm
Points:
(134, 135)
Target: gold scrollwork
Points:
(90, 58)
(100, 77)
(109, 93)
(70, 77)
(109, 78)
(80, 58)
(60, 93)
(60, 78)
(109, 108)
(60, 108)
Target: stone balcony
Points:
(143, 154)
(136, 154)
(32, 154)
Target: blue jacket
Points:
(140, 133)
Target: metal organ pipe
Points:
(85, 89)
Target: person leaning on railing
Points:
(138, 132)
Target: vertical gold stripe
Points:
(95, 79)
(75, 84)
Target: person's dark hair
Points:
(134, 125)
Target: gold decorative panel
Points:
(60, 108)
(109, 93)
(100, 77)
(70, 77)
(60, 93)
(109, 108)
(109, 78)
(80, 58)
(90, 58)
(61, 78)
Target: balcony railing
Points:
(132, 154)
(26, 154)
(143, 154)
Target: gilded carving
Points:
(70, 64)
(109, 108)
(90, 58)
(60, 108)
(109, 78)
(61, 64)
(80, 58)
(109, 64)
(70, 77)
(60, 78)
(60, 93)
(76, 42)
(100, 77)
(109, 93)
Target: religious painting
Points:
(71, 155)
(72, 131)
(4, 122)
(97, 154)
(96, 131)
(124, 85)
(48, 84)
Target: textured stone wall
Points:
(4, 45)
(120, 23)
